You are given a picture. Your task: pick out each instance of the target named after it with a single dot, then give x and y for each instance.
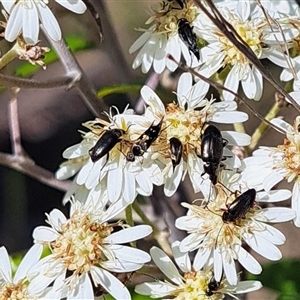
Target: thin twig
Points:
(80, 80)
(28, 167)
(219, 86)
(25, 83)
(13, 122)
(90, 6)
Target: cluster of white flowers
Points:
(93, 252)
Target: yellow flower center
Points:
(166, 18)
(290, 162)
(195, 287)
(80, 243)
(185, 125)
(10, 291)
(224, 234)
(249, 33)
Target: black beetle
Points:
(144, 141)
(212, 144)
(186, 34)
(240, 206)
(105, 143)
(176, 151)
(212, 286)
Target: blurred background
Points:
(50, 120)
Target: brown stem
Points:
(13, 122)
(28, 167)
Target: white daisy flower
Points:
(18, 286)
(117, 173)
(185, 121)
(26, 16)
(86, 253)
(253, 28)
(218, 228)
(162, 38)
(189, 282)
(273, 164)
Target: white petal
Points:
(278, 214)
(129, 234)
(31, 23)
(140, 42)
(78, 150)
(271, 180)
(188, 223)
(115, 184)
(145, 186)
(44, 234)
(83, 290)
(258, 82)
(5, 266)
(173, 48)
(173, 180)
(229, 117)
(110, 283)
(8, 5)
(129, 254)
(129, 192)
(282, 124)
(14, 24)
(201, 258)
(263, 247)
(114, 209)
(249, 84)
(296, 202)
(273, 196)
(182, 259)
(296, 96)
(198, 93)
(159, 62)
(184, 85)
(159, 288)
(76, 6)
(272, 234)
(165, 264)
(218, 263)
(56, 290)
(236, 138)
(65, 172)
(191, 242)
(248, 286)
(280, 59)
(229, 269)
(57, 219)
(231, 83)
(121, 266)
(31, 257)
(248, 261)
(151, 98)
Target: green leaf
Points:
(283, 277)
(119, 89)
(75, 44)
